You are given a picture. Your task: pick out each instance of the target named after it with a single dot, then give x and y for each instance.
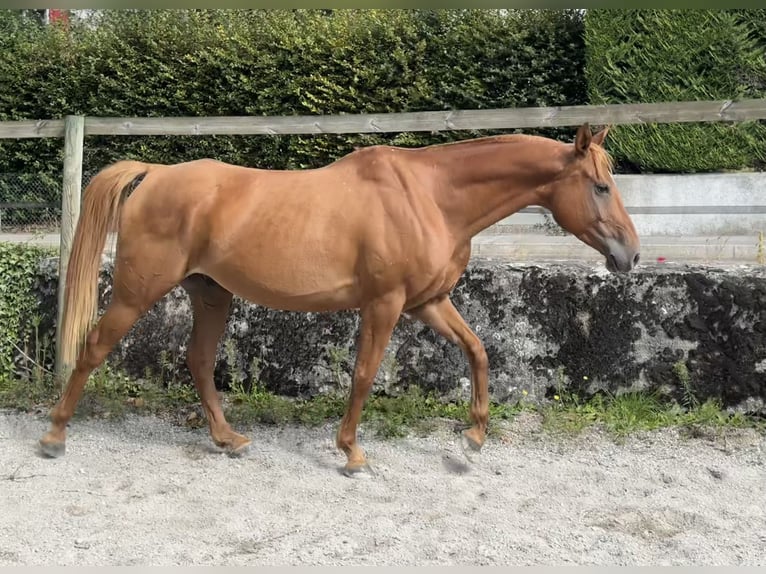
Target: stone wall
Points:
(675, 329)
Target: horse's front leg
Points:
(378, 319)
(440, 314)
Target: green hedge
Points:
(277, 62)
(26, 330)
(280, 62)
(673, 55)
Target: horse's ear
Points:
(601, 136)
(583, 138)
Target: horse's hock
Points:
(690, 332)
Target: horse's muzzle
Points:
(620, 257)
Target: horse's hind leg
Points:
(131, 297)
(210, 303)
(117, 320)
(441, 315)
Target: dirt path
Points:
(145, 492)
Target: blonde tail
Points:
(100, 214)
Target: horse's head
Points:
(585, 201)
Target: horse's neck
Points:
(486, 181)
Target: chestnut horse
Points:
(384, 230)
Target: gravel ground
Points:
(142, 491)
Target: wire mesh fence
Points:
(29, 203)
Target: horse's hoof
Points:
(363, 470)
(471, 448)
(51, 449)
(238, 450)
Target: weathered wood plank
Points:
(510, 118)
(70, 213)
(32, 129)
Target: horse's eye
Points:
(602, 189)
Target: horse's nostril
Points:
(636, 259)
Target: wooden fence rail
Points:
(507, 118)
(75, 128)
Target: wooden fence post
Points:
(74, 133)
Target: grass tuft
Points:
(111, 394)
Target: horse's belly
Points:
(334, 299)
(305, 283)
